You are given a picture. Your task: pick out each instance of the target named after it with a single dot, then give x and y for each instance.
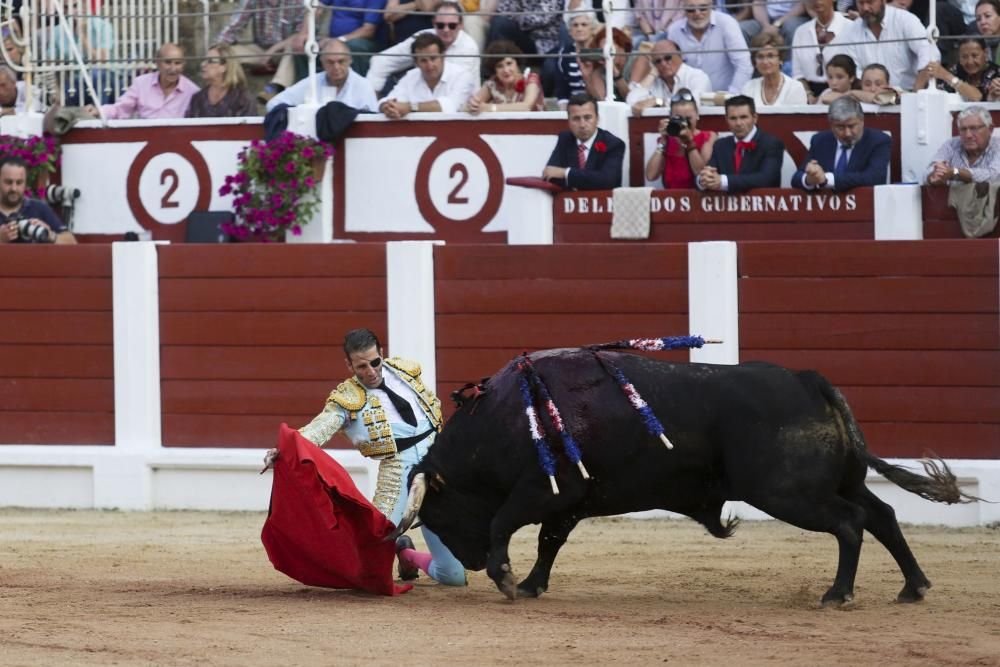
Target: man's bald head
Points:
(335, 58)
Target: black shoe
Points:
(406, 572)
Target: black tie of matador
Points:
(403, 407)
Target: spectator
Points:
(279, 31)
(338, 83)
(449, 25)
(585, 157)
(972, 156)
(811, 39)
(13, 93)
(841, 78)
(682, 150)
(22, 219)
(164, 93)
(773, 87)
(628, 70)
(564, 72)
(94, 37)
(974, 77)
(714, 44)
(653, 18)
(533, 25)
(669, 75)
(435, 85)
(988, 24)
(10, 35)
(402, 20)
(750, 158)
(508, 89)
(888, 36)
(225, 93)
(775, 16)
(875, 88)
(357, 23)
(846, 156)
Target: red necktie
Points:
(581, 156)
(741, 148)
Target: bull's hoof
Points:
(507, 584)
(526, 589)
(834, 598)
(911, 594)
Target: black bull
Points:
(783, 441)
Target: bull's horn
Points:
(416, 498)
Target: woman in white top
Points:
(772, 87)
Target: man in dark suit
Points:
(847, 155)
(750, 158)
(585, 157)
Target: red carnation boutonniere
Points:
(519, 86)
(600, 147)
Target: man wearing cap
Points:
(668, 75)
(846, 156)
(385, 409)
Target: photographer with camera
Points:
(669, 75)
(25, 220)
(682, 150)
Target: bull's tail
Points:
(940, 484)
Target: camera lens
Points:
(31, 232)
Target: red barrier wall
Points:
(56, 358)
(940, 220)
(250, 335)
(494, 302)
(908, 330)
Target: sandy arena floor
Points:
(84, 588)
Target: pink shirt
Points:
(144, 99)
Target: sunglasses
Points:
(214, 61)
(441, 25)
(682, 97)
(668, 58)
(699, 8)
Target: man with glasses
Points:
(338, 82)
(165, 93)
(972, 156)
(435, 85)
(459, 47)
(748, 159)
(811, 39)
(669, 74)
(713, 42)
(391, 416)
(846, 156)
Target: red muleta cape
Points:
(320, 530)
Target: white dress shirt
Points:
(356, 92)
(902, 58)
(688, 77)
(453, 89)
(728, 66)
(805, 48)
(398, 58)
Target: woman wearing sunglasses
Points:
(682, 150)
(225, 92)
(507, 88)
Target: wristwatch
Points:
(954, 173)
(954, 82)
(658, 101)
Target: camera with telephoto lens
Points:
(61, 194)
(676, 125)
(32, 232)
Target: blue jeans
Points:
(444, 568)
